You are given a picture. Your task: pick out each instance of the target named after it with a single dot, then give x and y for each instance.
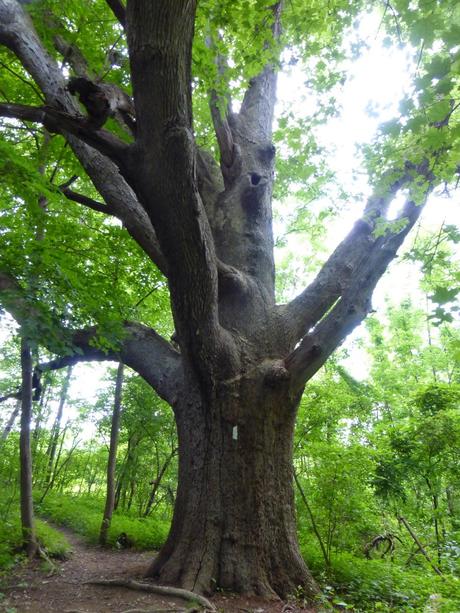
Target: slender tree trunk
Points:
(54, 438)
(234, 517)
(419, 545)
(111, 464)
(39, 417)
(156, 483)
(122, 479)
(132, 489)
(436, 529)
(314, 526)
(27, 510)
(10, 423)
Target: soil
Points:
(33, 589)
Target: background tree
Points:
(237, 367)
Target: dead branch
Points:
(173, 592)
(380, 539)
(403, 521)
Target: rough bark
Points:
(27, 508)
(112, 460)
(234, 523)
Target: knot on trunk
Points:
(277, 374)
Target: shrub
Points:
(381, 585)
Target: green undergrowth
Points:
(357, 584)
(83, 514)
(52, 541)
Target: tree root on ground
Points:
(173, 592)
(41, 553)
(194, 610)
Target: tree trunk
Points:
(27, 509)
(157, 481)
(115, 427)
(55, 431)
(234, 519)
(10, 423)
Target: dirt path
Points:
(29, 589)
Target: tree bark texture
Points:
(236, 375)
(112, 461)
(234, 522)
(27, 508)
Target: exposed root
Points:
(41, 553)
(194, 610)
(173, 592)
(169, 610)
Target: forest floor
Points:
(32, 589)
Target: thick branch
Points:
(118, 10)
(335, 276)
(159, 38)
(142, 349)
(17, 33)
(59, 121)
(256, 115)
(352, 307)
(120, 199)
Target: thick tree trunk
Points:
(234, 522)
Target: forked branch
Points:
(341, 268)
(353, 305)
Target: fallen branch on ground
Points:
(173, 592)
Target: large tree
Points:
(238, 363)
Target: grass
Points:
(83, 514)
(52, 541)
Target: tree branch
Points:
(256, 114)
(336, 274)
(118, 10)
(61, 122)
(163, 165)
(220, 107)
(85, 201)
(141, 348)
(353, 305)
(18, 34)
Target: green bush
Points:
(380, 585)
(84, 515)
(52, 541)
